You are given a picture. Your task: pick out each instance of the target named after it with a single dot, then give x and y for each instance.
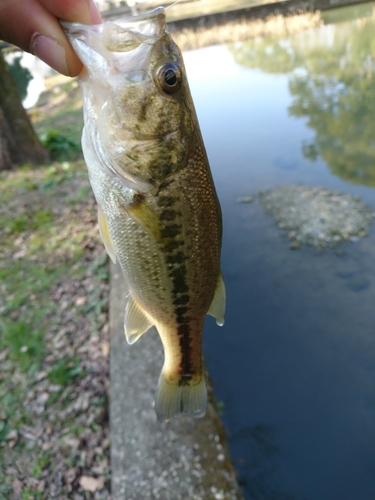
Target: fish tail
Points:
(178, 394)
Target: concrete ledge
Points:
(185, 459)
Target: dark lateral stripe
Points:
(169, 215)
(181, 300)
(186, 368)
(166, 201)
(171, 230)
(175, 259)
(172, 245)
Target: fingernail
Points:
(96, 18)
(49, 51)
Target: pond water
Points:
(294, 364)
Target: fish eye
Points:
(169, 77)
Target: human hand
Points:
(33, 25)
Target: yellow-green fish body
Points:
(159, 215)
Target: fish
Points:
(158, 211)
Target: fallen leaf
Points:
(41, 486)
(88, 483)
(13, 434)
(20, 254)
(41, 375)
(80, 301)
(11, 471)
(105, 349)
(101, 467)
(72, 442)
(17, 486)
(54, 388)
(70, 475)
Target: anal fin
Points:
(105, 234)
(136, 321)
(217, 308)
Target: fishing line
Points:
(174, 3)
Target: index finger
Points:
(33, 26)
(74, 11)
(82, 11)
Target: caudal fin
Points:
(174, 397)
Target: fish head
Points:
(137, 104)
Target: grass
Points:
(64, 371)
(60, 146)
(41, 461)
(24, 344)
(30, 244)
(49, 251)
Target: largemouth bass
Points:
(158, 212)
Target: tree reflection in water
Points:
(332, 81)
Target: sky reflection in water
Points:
(295, 362)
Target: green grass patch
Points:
(14, 224)
(26, 221)
(50, 248)
(24, 279)
(82, 194)
(20, 182)
(69, 122)
(31, 494)
(64, 371)
(24, 343)
(4, 429)
(41, 461)
(60, 146)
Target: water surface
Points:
(294, 364)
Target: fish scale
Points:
(159, 215)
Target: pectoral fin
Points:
(104, 233)
(217, 308)
(136, 321)
(146, 217)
